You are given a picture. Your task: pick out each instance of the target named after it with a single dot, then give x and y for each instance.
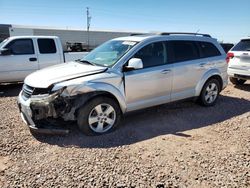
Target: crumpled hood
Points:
(45, 77)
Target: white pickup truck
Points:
(22, 55)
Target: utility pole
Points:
(88, 25)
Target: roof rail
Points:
(135, 34)
(183, 33)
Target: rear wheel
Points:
(237, 81)
(99, 116)
(210, 92)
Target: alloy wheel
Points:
(102, 118)
(211, 93)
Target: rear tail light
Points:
(229, 56)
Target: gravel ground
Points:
(177, 145)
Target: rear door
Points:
(20, 63)
(48, 52)
(191, 60)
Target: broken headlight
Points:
(47, 97)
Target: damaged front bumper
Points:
(39, 108)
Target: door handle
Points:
(166, 71)
(32, 59)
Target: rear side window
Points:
(243, 45)
(182, 51)
(153, 54)
(46, 46)
(208, 50)
(21, 47)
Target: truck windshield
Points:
(109, 53)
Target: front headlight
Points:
(48, 97)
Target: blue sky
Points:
(226, 20)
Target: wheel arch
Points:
(100, 89)
(207, 76)
(91, 95)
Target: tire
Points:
(92, 119)
(210, 92)
(237, 81)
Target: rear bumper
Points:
(243, 77)
(242, 73)
(26, 115)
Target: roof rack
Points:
(135, 34)
(180, 33)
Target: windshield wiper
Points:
(85, 61)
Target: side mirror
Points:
(133, 64)
(5, 51)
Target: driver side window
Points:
(152, 55)
(21, 47)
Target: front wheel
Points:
(99, 116)
(210, 92)
(237, 81)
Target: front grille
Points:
(27, 91)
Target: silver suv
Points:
(123, 75)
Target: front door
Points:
(20, 63)
(152, 84)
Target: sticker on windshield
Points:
(130, 43)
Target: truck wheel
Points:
(210, 93)
(237, 81)
(99, 116)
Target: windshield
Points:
(2, 43)
(109, 53)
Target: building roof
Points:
(70, 28)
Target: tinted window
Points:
(243, 45)
(208, 49)
(21, 47)
(46, 46)
(152, 54)
(226, 46)
(182, 51)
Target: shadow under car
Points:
(156, 121)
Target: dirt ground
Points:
(174, 145)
